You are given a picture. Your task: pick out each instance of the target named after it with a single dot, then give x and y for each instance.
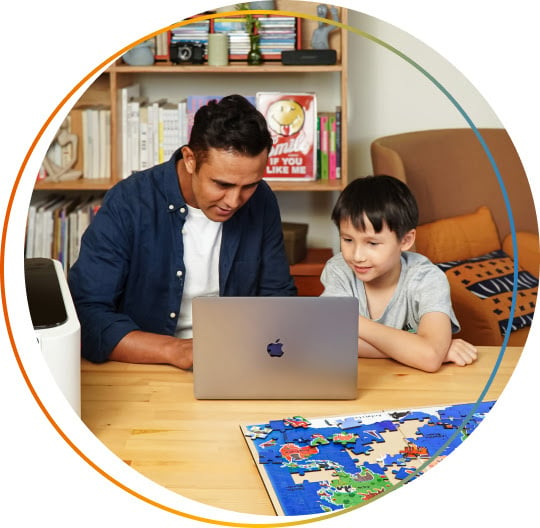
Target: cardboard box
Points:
(295, 237)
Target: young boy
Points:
(405, 308)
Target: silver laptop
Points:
(275, 347)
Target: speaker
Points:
(306, 57)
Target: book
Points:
(193, 103)
(324, 146)
(292, 122)
(338, 142)
(124, 95)
(133, 132)
(332, 147)
(169, 131)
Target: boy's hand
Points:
(461, 353)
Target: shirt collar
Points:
(171, 185)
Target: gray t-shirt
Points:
(422, 288)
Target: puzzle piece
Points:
(319, 439)
(270, 456)
(349, 423)
(297, 421)
(390, 460)
(344, 438)
(256, 431)
(360, 448)
(403, 473)
(277, 425)
(297, 435)
(374, 468)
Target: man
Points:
(203, 223)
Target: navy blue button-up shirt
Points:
(130, 271)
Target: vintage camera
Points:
(186, 52)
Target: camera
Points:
(186, 52)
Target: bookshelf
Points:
(235, 75)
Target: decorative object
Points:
(68, 142)
(218, 49)
(319, 39)
(140, 55)
(254, 56)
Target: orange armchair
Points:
(463, 215)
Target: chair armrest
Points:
(478, 326)
(528, 251)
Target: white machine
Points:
(56, 324)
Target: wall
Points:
(387, 95)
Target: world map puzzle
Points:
(327, 464)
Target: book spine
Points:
(338, 142)
(332, 147)
(324, 147)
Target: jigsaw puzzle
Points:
(326, 464)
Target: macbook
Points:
(275, 347)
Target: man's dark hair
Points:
(232, 124)
(383, 200)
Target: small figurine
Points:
(55, 172)
(319, 39)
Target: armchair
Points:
(464, 224)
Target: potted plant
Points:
(254, 56)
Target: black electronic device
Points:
(186, 52)
(44, 294)
(309, 57)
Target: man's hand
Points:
(145, 347)
(182, 354)
(461, 353)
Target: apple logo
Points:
(275, 349)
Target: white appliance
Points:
(56, 324)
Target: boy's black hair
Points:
(383, 199)
(232, 124)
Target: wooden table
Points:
(147, 416)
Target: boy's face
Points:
(373, 257)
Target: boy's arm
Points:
(425, 350)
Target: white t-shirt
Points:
(202, 242)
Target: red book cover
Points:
(292, 121)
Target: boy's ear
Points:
(407, 242)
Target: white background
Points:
(47, 48)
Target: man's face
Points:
(224, 182)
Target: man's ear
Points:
(189, 159)
(407, 242)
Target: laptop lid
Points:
(275, 347)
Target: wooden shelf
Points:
(105, 89)
(82, 184)
(240, 67)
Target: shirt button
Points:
(171, 207)
(172, 315)
(182, 210)
(179, 273)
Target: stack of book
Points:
(55, 225)
(194, 32)
(92, 154)
(151, 131)
(235, 27)
(161, 46)
(329, 145)
(277, 34)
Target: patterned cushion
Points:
(490, 277)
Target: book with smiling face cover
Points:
(292, 122)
